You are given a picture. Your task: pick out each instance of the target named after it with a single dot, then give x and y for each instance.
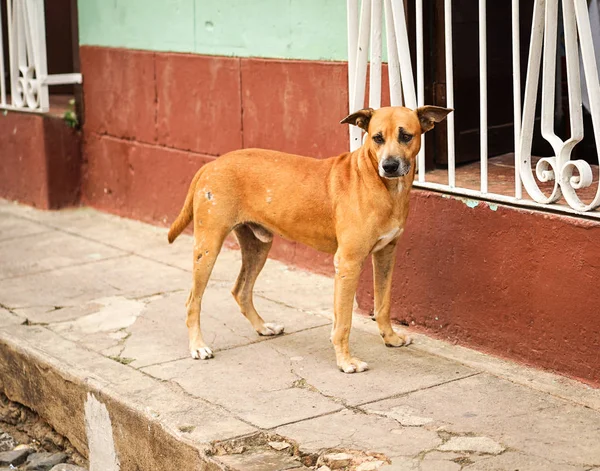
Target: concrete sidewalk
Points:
(92, 315)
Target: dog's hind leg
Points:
(255, 243)
(207, 245)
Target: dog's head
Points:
(394, 135)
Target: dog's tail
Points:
(187, 212)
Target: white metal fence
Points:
(559, 175)
(27, 71)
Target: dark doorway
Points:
(465, 25)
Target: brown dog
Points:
(351, 205)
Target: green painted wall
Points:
(293, 29)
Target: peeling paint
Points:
(404, 415)
(117, 312)
(101, 443)
(470, 202)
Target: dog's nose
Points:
(390, 165)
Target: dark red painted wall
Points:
(40, 160)
(516, 283)
(145, 108)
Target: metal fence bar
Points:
(408, 82)
(375, 69)
(564, 173)
(549, 75)
(529, 103)
(584, 171)
(360, 74)
(420, 79)
(38, 33)
(59, 79)
(483, 95)
(392, 56)
(2, 78)
(352, 13)
(352, 7)
(589, 64)
(449, 91)
(496, 198)
(362, 53)
(13, 74)
(516, 57)
(590, 68)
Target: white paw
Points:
(202, 353)
(270, 328)
(354, 366)
(396, 339)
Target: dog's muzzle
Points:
(394, 167)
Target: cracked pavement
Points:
(113, 288)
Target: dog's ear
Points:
(429, 115)
(361, 118)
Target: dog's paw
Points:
(353, 365)
(396, 340)
(270, 328)
(202, 353)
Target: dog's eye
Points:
(405, 137)
(378, 139)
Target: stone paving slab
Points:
(259, 384)
(8, 318)
(113, 326)
(392, 371)
(78, 290)
(48, 251)
(223, 324)
(262, 461)
(540, 380)
(306, 361)
(519, 461)
(537, 424)
(13, 227)
(349, 429)
(159, 321)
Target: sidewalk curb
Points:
(58, 393)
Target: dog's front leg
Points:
(347, 272)
(383, 268)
